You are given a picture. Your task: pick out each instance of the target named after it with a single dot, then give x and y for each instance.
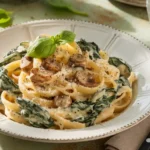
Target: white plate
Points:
(116, 43)
(140, 3)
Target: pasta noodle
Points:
(75, 87)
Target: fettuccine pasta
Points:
(77, 86)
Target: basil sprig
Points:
(46, 46)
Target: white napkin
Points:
(130, 139)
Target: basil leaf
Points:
(67, 36)
(5, 18)
(41, 48)
(46, 46)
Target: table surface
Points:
(132, 20)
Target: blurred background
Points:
(109, 12)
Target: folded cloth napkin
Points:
(130, 139)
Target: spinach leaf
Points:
(46, 46)
(81, 105)
(93, 108)
(6, 83)
(11, 52)
(12, 56)
(122, 82)
(35, 114)
(124, 68)
(110, 90)
(100, 105)
(91, 47)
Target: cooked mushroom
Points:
(40, 76)
(51, 65)
(26, 64)
(62, 101)
(77, 60)
(86, 78)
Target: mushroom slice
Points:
(77, 60)
(62, 101)
(51, 65)
(87, 78)
(40, 76)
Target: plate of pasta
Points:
(69, 81)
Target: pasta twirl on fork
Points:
(55, 82)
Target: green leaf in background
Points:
(66, 37)
(5, 18)
(46, 46)
(67, 4)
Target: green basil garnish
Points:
(46, 46)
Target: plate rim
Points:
(88, 138)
